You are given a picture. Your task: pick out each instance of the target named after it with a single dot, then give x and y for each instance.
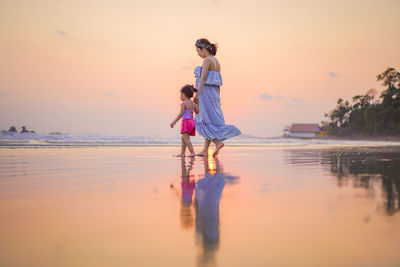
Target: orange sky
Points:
(117, 67)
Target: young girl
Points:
(186, 112)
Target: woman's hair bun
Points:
(205, 43)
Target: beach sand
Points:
(252, 206)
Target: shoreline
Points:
(245, 141)
(362, 138)
(346, 138)
(262, 145)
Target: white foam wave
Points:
(32, 139)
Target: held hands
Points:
(196, 98)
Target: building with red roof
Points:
(304, 130)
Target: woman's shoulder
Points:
(213, 63)
(210, 60)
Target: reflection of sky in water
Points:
(365, 168)
(141, 207)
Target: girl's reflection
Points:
(208, 193)
(187, 187)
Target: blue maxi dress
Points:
(210, 122)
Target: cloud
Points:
(266, 96)
(295, 105)
(279, 97)
(333, 74)
(3, 94)
(109, 94)
(298, 100)
(62, 33)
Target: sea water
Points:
(303, 205)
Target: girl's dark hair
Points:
(188, 90)
(204, 43)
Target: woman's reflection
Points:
(208, 191)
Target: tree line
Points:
(368, 115)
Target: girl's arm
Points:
(179, 116)
(204, 73)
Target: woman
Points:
(210, 122)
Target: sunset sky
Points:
(116, 67)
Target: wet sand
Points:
(252, 206)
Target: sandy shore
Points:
(253, 206)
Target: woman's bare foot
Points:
(202, 153)
(217, 148)
(179, 155)
(191, 155)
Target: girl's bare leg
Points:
(205, 149)
(186, 138)
(218, 146)
(183, 148)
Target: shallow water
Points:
(254, 206)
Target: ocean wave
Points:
(11, 139)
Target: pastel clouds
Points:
(266, 96)
(289, 101)
(62, 33)
(333, 74)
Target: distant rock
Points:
(56, 133)
(13, 129)
(24, 130)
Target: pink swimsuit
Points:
(188, 125)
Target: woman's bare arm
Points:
(204, 73)
(196, 108)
